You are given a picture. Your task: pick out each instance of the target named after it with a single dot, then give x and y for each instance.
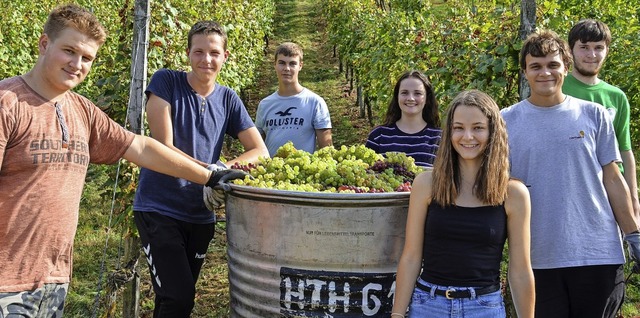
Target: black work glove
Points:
(633, 244)
(214, 192)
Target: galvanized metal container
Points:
(299, 254)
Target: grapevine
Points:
(348, 169)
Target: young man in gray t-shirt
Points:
(564, 149)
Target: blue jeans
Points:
(428, 304)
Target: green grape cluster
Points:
(349, 169)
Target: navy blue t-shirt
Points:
(199, 126)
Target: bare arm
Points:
(629, 164)
(324, 137)
(149, 153)
(411, 260)
(521, 281)
(619, 197)
(160, 125)
(254, 147)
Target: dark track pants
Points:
(579, 292)
(175, 251)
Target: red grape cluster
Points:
(348, 188)
(405, 187)
(398, 169)
(243, 167)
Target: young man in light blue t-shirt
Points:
(293, 113)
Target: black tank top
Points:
(463, 246)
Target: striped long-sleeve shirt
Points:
(421, 146)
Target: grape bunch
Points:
(354, 189)
(243, 166)
(405, 187)
(398, 169)
(348, 169)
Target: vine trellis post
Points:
(527, 26)
(135, 116)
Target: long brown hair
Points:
(430, 112)
(492, 178)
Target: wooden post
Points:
(139, 65)
(527, 26)
(360, 101)
(131, 294)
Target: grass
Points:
(299, 21)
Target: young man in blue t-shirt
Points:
(190, 113)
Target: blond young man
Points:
(48, 137)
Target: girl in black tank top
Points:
(460, 215)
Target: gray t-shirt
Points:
(292, 118)
(559, 153)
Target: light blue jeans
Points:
(428, 304)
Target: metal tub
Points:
(302, 254)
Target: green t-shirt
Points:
(609, 96)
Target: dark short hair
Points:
(74, 16)
(589, 30)
(542, 43)
(206, 28)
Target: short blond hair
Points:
(79, 18)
